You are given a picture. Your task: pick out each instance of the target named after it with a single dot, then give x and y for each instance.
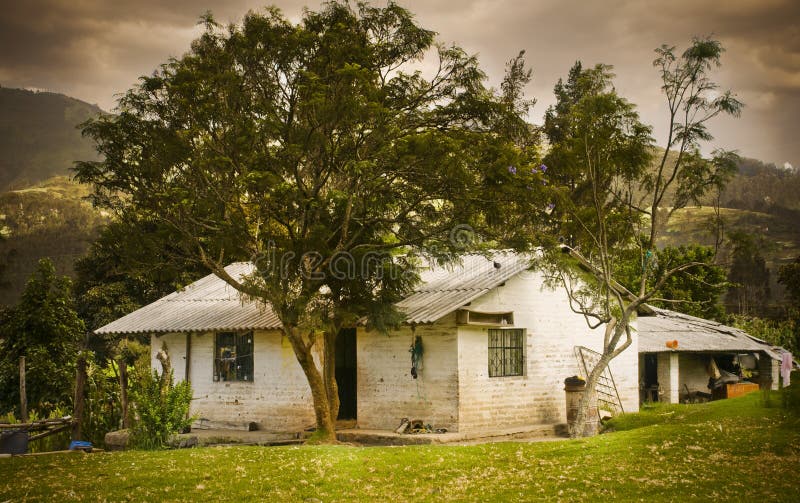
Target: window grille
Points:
(233, 356)
(506, 352)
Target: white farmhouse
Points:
(493, 347)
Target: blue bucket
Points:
(80, 445)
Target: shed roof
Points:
(695, 335)
(210, 304)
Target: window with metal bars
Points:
(506, 352)
(233, 356)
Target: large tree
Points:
(614, 202)
(320, 152)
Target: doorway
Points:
(651, 377)
(346, 372)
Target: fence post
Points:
(23, 397)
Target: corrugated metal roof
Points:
(211, 304)
(694, 335)
(445, 289)
(207, 304)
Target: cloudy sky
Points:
(95, 49)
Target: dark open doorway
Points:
(346, 373)
(651, 377)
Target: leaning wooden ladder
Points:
(607, 394)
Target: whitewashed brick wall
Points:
(553, 331)
(387, 392)
(278, 398)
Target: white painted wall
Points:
(278, 398)
(387, 392)
(553, 331)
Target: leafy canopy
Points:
(45, 329)
(294, 144)
(325, 156)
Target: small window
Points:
(233, 356)
(506, 356)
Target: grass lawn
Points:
(731, 450)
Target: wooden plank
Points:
(739, 389)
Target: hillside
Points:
(50, 219)
(39, 137)
(781, 235)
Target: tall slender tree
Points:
(613, 203)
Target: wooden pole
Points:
(123, 391)
(23, 397)
(188, 369)
(80, 396)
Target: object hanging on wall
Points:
(416, 356)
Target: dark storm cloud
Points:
(94, 49)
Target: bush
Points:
(103, 412)
(790, 396)
(161, 409)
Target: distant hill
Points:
(39, 137)
(51, 219)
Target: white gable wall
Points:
(552, 332)
(278, 399)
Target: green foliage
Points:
(784, 333)
(790, 397)
(161, 409)
(789, 277)
(131, 264)
(763, 187)
(612, 204)
(696, 291)
(301, 146)
(275, 140)
(749, 276)
(55, 442)
(44, 328)
(49, 220)
(103, 412)
(599, 151)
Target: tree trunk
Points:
(23, 394)
(80, 396)
(329, 372)
(166, 365)
(123, 392)
(326, 426)
(578, 429)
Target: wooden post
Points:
(23, 397)
(188, 367)
(188, 357)
(80, 396)
(123, 391)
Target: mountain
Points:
(39, 136)
(51, 219)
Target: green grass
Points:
(732, 450)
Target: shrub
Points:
(161, 409)
(103, 412)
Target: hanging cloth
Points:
(786, 368)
